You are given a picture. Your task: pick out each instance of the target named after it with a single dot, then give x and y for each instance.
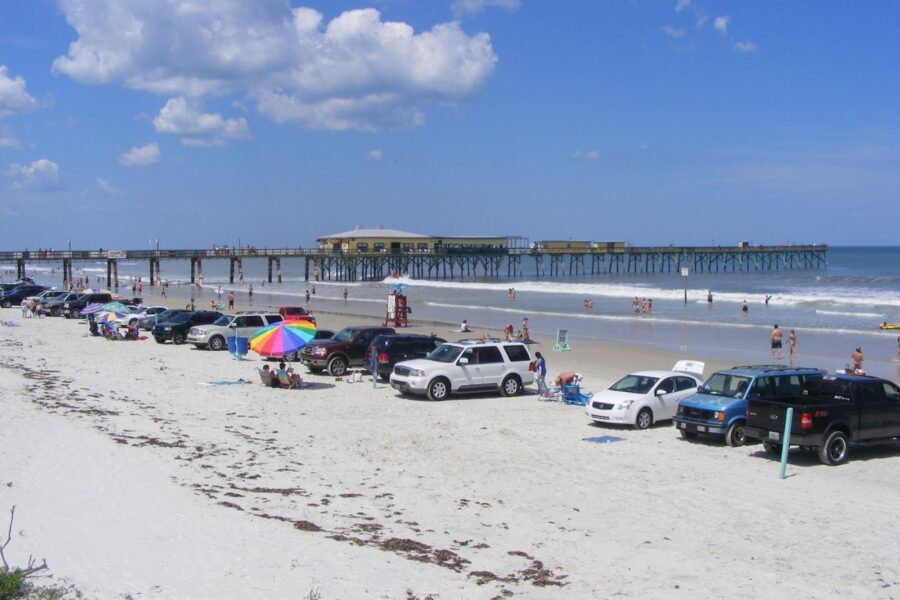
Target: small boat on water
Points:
(890, 326)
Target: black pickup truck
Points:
(828, 415)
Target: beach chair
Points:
(285, 382)
(543, 391)
(572, 395)
(265, 377)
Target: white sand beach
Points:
(134, 480)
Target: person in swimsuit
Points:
(898, 349)
(792, 343)
(776, 344)
(744, 307)
(857, 358)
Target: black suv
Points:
(346, 349)
(54, 307)
(20, 292)
(392, 349)
(72, 308)
(177, 328)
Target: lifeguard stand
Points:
(397, 310)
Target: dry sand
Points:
(132, 479)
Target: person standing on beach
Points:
(768, 297)
(775, 338)
(857, 358)
(250, 293)
(745, 308)
(708, 297)
(307, 297)
(898, 349)
(526, 334)
(792, 345)
(345, 294)
(230, 300)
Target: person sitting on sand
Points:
(464, 326)
(287, 376)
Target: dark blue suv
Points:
(720, 405)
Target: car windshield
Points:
(723, 384)
(634, 384)
(181, 317)
(344, 335)
(224, 320)
(445, 353)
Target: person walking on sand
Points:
(792, 345)
(307, 297)
(230, 300)
(250, 292)
(857, 358)
(775, 338)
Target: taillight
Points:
(806, 421)
(383, 357)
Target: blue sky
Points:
(684, 122)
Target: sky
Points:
(274, 122)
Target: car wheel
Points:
(178, 338)
(735, 436)
(76, 314)
(159, 340)
(438, 389)
(7, 304)
(337, 366)
(771, 448)
(217, 342)
(644, 419)
(834, 450)
(688, 435)
(510, 386)
(55, 312)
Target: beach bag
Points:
(531, 366)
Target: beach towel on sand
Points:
(603, 439)
(224, 382)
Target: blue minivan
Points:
(720, 405)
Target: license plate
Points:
(774, 435)
(701, 428)
(681, 426)
(602, 418)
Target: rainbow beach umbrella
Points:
(108, 317)
(282, 338)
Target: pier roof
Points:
(374, 233)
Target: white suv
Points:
(213, 336)
(466, 366)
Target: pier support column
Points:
(20, 268)
(269, 269)
(112, 273)
(193, 269)
(278, 269)
(231, 270)
(240, 266)
(67, 278)
(306, 269)
(200, 271)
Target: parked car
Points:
(149, 322)
(392, 349)
(214, 335)
(54, 307)
(47, 295)
(296, 312)
(15, 295)
(646, 397)
(139, 313)
(178, 327)
(720, 405)
(72, 308)
(464, 367)
(345, 350)
(829, 413)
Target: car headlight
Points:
(625, 404)
(167, 329)
(417, 373)
(320, 351)
(680, 409)
(719, 416)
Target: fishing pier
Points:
(421, 260)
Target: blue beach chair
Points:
(572, 395)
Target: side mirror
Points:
(754, 396)
(463, 361)
(660, 392)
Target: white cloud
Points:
(184, 117)
(40, 176)
(106, 187)
(353, 72)
(673, 32)
(681, 5)
(141, 156)
(13, 97)
(375, 154)
(585, 155)
(7, 139)
(747, 46)
(720, 24)
(470, 7)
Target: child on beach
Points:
(792, 342)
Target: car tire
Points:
(337, 366)
(510, 386)
(834, 450)
(216, 342)
(75, 314)
(7, 304)
(688, 435)
(771, 448)
(177, 338)
(644, 419)
(438, 389)
(384, 378)
(159, 340)
(55, 312)
(735, 435)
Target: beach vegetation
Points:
(12, 579)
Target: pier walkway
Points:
(327, 265)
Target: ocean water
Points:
(833, 310)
